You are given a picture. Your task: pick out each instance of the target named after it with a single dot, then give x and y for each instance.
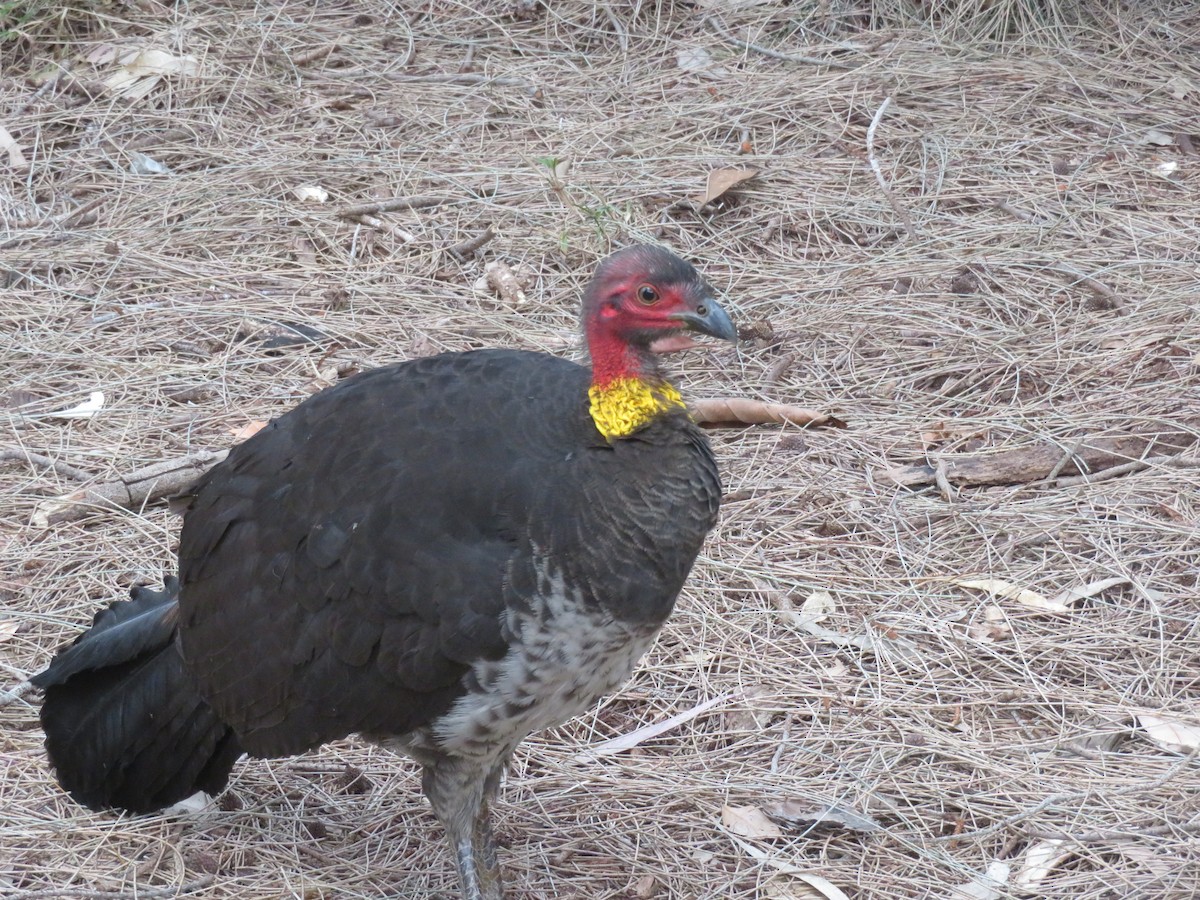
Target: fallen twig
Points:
(69, 218)
(16, 693)
(779, 368)
(905, 218)
(945, 488)
(463, 249)
(141, 893)
(1133, 830)
(734, 411)
(313, 54)
(464, 78)
(1128, 468)
(405, 237)
(723, 32)
(436, 78)
(1067, 800)
(1109, 297)
(417, 201)
(64, 68)
(1089, 460)
(129, 491)
(37, 459)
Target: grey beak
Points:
(709, 318)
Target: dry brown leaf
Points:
(310, 193)
(1040, 860)
(141, 70)
(994, 626)
(807, 815)
(734, 411)
(1005, 590)
(8, 628)
(646, 887)
(326, 377)
(948, 431)
(802, 887)
(85, 410)
(700, 62)
(248, 430)
(749, 822)
(823, 886)
(721, 180)
(1170, 733)
(897, 649)
(9, 145)
(817, 606)
(986, 886)
(1074, 595)
(654, 729)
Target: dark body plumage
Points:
(449, 489)
(443, 555)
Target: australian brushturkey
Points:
(442, 555)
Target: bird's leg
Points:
(458, 790)
(485, 838)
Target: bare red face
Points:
(647, 306)
(645, 299)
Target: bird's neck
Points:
(628, 391)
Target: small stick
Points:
(129, 491)
(1099, 288)
(1119, 834)
(141, 893)
(779, 368)
(1007, 207)
(418, 201)
(462, 78)
(36, 459)
(622, 34)
(1113, 471)
(1023, 465)
(396, 231)
(311, 56)
(463, 249)
(44, 87)
(1072, 798)
(943, 483)
(774, 54)
(438, 78)
(1069, 456)
(15, 694)
(891, 197)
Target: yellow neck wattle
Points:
(624, 405)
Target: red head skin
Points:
(632, 304)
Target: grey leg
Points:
(459, 791)
(485, 839)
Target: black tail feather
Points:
(124, 726)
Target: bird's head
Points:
(645, 300)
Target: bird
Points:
(442, 555)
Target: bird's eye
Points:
(647, 294)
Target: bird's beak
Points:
(709, 318)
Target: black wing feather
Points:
(357, 598)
